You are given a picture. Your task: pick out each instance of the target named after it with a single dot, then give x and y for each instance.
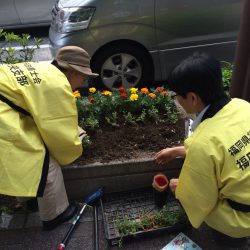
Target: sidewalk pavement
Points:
(23, 231)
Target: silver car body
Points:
(167, 30)
(25, 13)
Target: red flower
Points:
(124, 95)
(92, 99)
(159, 89)
(121, 90)
(164, 93)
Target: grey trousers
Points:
(55, 199)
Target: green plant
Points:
(112, 119)
(86, 142)
(151, 220)
(227, 71)
(129, 119)
(127, 227)
(122, 106)
(10, 55)
(146, 221)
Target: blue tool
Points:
(87, 201)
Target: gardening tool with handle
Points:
(87, 201)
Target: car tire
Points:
(126, 66)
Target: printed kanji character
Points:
(29, 67)
(243, 162)
(233, 150)
(239, 145)
(245, 140)
(248, 156)
(22, 80)
(15, 70)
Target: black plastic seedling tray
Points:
(131, 205)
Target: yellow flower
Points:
(76, 94)
(106, 92)
(152, 95)
(133, 90)
(144, 90)
(92, 90)
(134, 97)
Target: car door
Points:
(185, 26)
(8, 14)
(34, 11)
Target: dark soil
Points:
(130, 142)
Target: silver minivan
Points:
(136, 42)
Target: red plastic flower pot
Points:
(160, 182)
(160, 185)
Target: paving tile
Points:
(33, 220)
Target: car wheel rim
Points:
(121, 70)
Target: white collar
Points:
(198, 118)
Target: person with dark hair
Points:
(214, 183)
(39, 130)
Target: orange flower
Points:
(76, 94)
(159, 89)
(107, 93)
(144, 90)
(164, 93)
(152, 95)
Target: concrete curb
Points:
(115, 176)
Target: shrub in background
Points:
(227, 71)
(10, 55)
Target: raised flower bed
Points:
(128, 124)
(126, 128)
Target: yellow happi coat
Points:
(43, 91)
(216, 168)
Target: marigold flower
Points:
(134, 97)
(164, 93)
(124, 95)
(92, 90)
(144, 90)
(159, 89)
(76, 94)
(152, 95)
(92, 99)
(133, 90)
(106, 92)
(121, 89)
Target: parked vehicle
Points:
(136, 42)
(25, 13)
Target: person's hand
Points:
(173, 185)
(82, 133)
(168, 154)
(165, 155)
